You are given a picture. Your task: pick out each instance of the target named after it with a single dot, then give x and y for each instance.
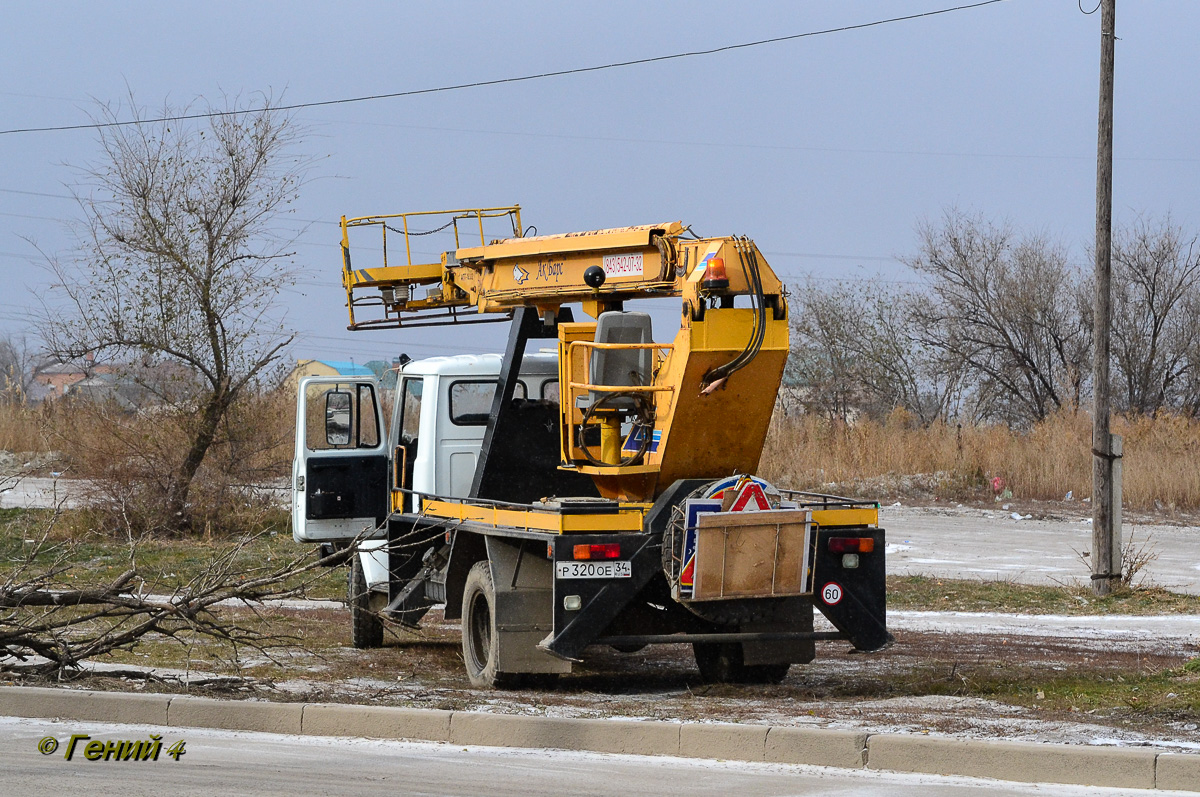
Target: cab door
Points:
(340, 467)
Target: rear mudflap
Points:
(584, 607)
(850, 588)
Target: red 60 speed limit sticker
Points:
(831, 593)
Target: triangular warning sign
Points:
(751, 499)
(688, 576)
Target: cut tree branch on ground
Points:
(55, 614)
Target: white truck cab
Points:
(441, 413)
(344, 469)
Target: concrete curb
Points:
(235, 715)
(1178, 771)
(375, 722)
(1017, 761)
(1012, 761)
(817, 746)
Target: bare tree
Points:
(1155, 338)
(821, 364)
(181, 261)
(1002, 331)
(1189, 382)
(897, 364)
(1006, 310)
(858, 347)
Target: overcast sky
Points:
(826, 150)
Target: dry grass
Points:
(131, 460)
(25, 428)
(1161, 464)
(256, 438)
(1162, 455)
(253, 444)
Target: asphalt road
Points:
(239, 763)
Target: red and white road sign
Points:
(831, 593)
(751, 499)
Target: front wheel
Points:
(366, 629)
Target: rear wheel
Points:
(366, 629)
(480, 642)
(724, 663)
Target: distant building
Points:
(56, 380)
(380, 369)
(323, 368)
(328, 368)
(129, 386)
(387, 373)
(119, 389)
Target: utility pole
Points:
(1106, 528)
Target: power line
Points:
(358, 338)
(35, 193)
(68, 196)
(362, 344)
(811, 276)
(501, 81)
(27, 216)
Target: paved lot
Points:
(39, 493)
(237, 763)
(981, 544)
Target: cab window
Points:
(340, 416)
(471, 400)
(410, 410)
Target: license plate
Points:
(612, 569)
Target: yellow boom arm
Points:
(718, 378)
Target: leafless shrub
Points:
(125, 461)
(1135, 555)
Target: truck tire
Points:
(721, 663)
(366, 629)
(480, 642)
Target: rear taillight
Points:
(606, 550)
(851, 544)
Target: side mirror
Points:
(337, 418)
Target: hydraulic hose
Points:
(749, 262)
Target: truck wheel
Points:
(480, 642)
(721, 662)
(366, 629)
